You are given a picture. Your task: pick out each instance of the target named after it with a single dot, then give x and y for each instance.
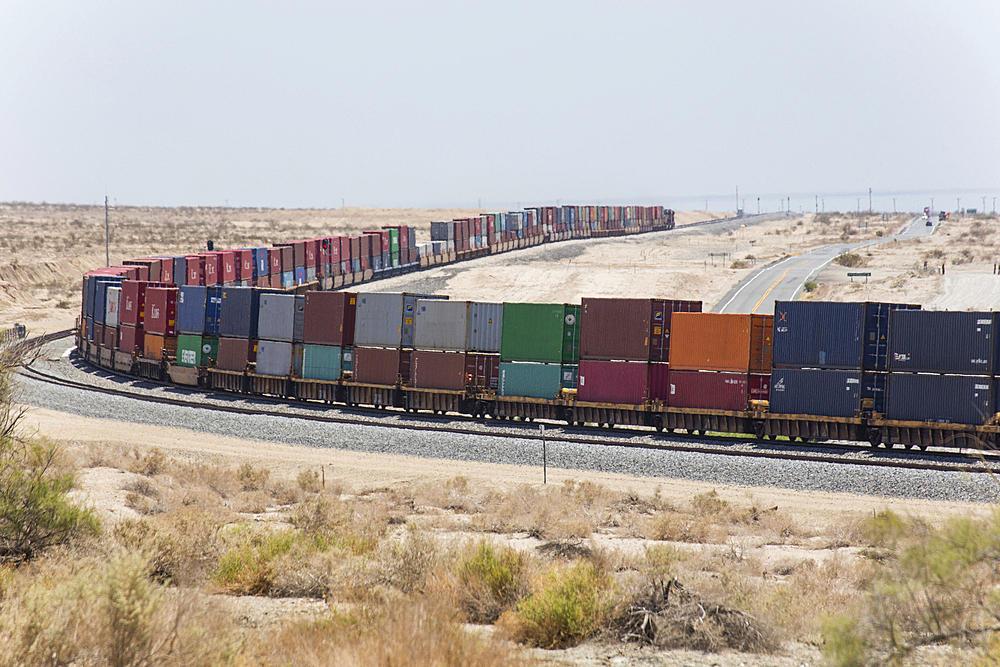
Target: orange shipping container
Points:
(156, 346)
(720, 342)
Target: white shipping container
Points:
(112, 305)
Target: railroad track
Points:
(723, 446)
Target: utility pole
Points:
(894, 205)
(994, 205)
(758, 204)
(932, 204)
(958, 205)
(984, 205)
(738, 200)
(789, 207)
(107, 254)
(824, 206)
(817, 204)
(869, 201)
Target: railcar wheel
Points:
(875, 437)
(758, 430)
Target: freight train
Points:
(276, 324)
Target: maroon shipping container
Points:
(195, 270)
(99, 335)
(167, 272)
(244, 264)
(659, 382)
(312, 252)
(708, 390)
(355, 249)
(110, 338)
(334, 253)
(438, 370)
(615, 329)
(143, 269)
(130, 338)
(623, 382)
(288, 258)
(659, 325)
(482, 371)
(132, 300)
(346, 251)
(328, 318)
(759, 387)
(236, 353)
(274, 261)
(211, 268)
(226, 266)
(149, 269)
(161, 311)
(376, 365)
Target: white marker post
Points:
(545, 458)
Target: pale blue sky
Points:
(303, 104)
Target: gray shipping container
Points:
(378, 320)
(274, 358)
(958, 399)
(409, 309)
(485, 326)
(298, 317)
(943, 342)
(276, 319)
(441, 325)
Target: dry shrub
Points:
(149, 463)
(309, 481)
(253, 479)
(404, 564)
(250, 502)
(421, 632)
(455, 494)
(357, 527)
(682, 527)
(181, 546)
(80, 611)
(492, 579)
(216, 476)
(569, 605)
(542, 513)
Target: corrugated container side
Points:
(950, 342)
(662, 311)
(234, 354)
(958, 399)
(441, 325)
(375, 365)
(759, 386)
(536, 332)
(817, 334)
(409, 312)
(161, 311)
(276, 317)
(876, 343)
(298, 318)
(659, 381)
(112, 305)
(437, 370)
(708, 390)
(485, 326)
(829, 393)
(238, 312)
(761, 343)
(188, 350)
(274, 357)
(624, 382)
(614, 329)
(329, 318)
(378, 320)
(531, 380)
(130, 338)
(322, 362)
(710, 341)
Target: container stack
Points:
(717, 361)
(160, 322)
(456, 345)
(539, 349)
(943, 366)
(831, 359)
(625, 347)
(325, 334)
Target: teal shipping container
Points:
(322, 362)
(542, 332)
(533, 380)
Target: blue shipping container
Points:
(213, 310)
(300, 275)
(288, 279)
(260, 266)
(944, 342)
(180, 270)
(240, 306)
(958, 399)
(191, 309)
(876, 333)
(829, 393)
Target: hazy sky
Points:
(306, 104)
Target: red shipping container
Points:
(615, 329)
(274, 261)
(195, 270)
(346, 247)
(235, 353)
(130, 338)
(373, 365)
(355, 249)
(110, 341)
(161, 311)
(622, 382)
(226, 266)
(328, 318)
(375, 239)
(244, 264)
(264, 281)
(334, 250)
(212, 276)
(99, 335)
(708, 390)
(659, 381)
(167, 271)
(760, 386)
(133, 296)
(312, 252)
(438, 370)
(142, 266)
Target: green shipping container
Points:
(394, 241)
(196, 350)
(533, 380)
(543, 332)
(322, 362)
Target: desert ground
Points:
(45, 248)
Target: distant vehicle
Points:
(927, 211)
(930, 223)
(942, 215)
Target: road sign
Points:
(858, 275)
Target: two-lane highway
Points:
(784, 279)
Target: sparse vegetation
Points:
(851, 260)
(810, 285)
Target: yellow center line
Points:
(782, 277)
